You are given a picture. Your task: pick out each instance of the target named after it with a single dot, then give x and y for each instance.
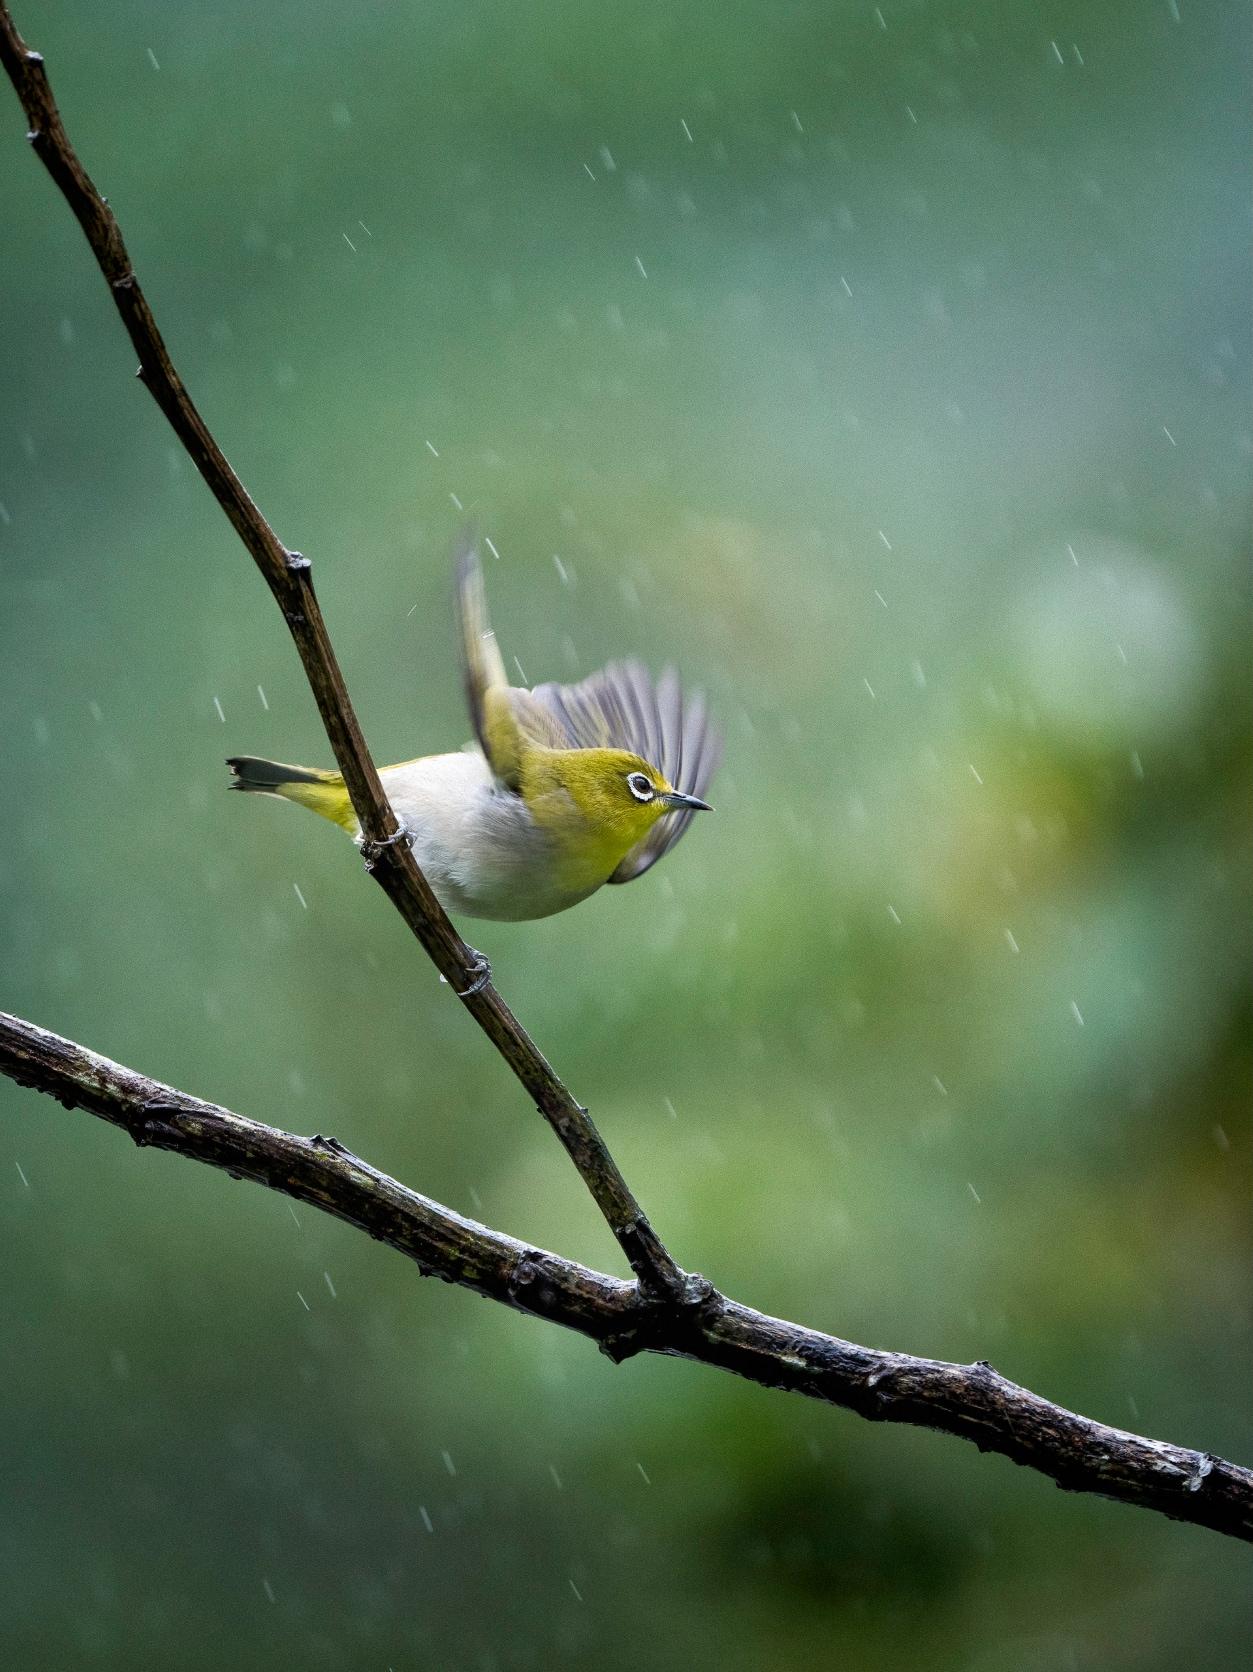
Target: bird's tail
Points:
(322, 792)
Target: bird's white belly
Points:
(477, 845)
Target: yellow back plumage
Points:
(329, 799)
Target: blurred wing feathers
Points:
(483, 670)
(622, 708)
(688, 751)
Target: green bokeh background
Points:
(906, 404)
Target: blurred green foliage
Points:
(888, 369)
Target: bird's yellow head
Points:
(597, 803)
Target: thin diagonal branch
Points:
(289, 577)
(971, 1401)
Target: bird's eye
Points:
(639, 786)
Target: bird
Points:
(566, 787)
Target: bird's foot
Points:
(371, 850)
(481, 971)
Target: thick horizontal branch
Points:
(289, 577)
(971, 1401)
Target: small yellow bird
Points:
(570, 786)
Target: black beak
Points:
(675, 798)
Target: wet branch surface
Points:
(665, 1311)
(289, 577)
(972, 1401)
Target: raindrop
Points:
(300, 896)
(303, 1301)
(21, 1174)
(1076, 1013)
(152, 59)
(264, 700)
(426, 1519)
(217, 704)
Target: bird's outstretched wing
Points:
(620, 707)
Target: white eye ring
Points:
(640, 787)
